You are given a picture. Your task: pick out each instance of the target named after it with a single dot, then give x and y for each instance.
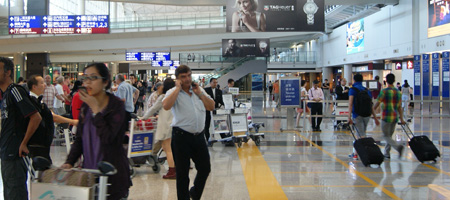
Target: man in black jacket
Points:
(216, 95)
(342, 90)
(342, 93)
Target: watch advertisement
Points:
(275, 15)
(438, 17)
(355, 36)
(245, 47)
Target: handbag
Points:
(72, 177)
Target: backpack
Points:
(362, 103)
(43, 136)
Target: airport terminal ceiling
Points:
(141, 9)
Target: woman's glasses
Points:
(90, 78)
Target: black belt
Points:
(181, 131)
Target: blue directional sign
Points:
(162, 63)
(59, 24)
(445, 74)
(147, 56)
(435, 75)
(426, 75)
(132, 56)
(24, 24)
(417, 75)
(290, 92)
(162, 56)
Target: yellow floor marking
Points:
(384, 190)
(346, 172)
(312, 161)
(362, 186)
(261, 183)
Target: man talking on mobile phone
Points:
(189, 103)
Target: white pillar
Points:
(81, 7)
(113, 16)
(377, 72)
(348, 73)
(327, 73)
(114, 68)
(20, 7)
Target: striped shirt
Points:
(392, 102)
(49, 95)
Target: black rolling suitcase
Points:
(422, 146)
(368, 151)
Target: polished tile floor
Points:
(297, 164)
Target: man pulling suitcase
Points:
(392, 111)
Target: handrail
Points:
(222, 71)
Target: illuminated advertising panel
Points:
(355, 36)
(275, 16)
(245, 47)
(438, 17)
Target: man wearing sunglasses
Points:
(128, 94)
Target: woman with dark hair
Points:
(101, 130)
(303, 97)
(163, 130)
(405, 97)
(76, 101)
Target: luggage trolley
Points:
(341, 110)
(220, 120)
(256, 137)
(55, 187)
(140, 144)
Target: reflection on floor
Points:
(296, 164)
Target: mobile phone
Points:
(193, 84)
(82, 88)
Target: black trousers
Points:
(316, 109)
(14, 176)
(185, 146)
(207, 125)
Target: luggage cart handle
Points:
(407, 130)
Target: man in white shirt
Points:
(58, 104)
(189, 103)
(316, 95)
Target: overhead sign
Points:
(147, 56)
(275, 16)
(398, 65)
(58, 24)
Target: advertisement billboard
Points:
(355, 36)
(275, 16)
(438, 17)
(245, 47)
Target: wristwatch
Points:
(310, 8)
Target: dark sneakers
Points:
(192, 194)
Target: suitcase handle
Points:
(29, 166)
(407, 131)
(353, 129)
